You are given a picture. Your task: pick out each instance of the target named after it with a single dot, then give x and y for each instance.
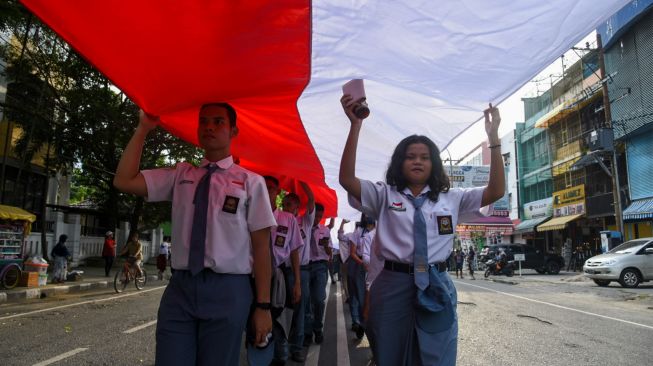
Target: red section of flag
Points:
(171, 57)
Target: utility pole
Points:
(616, 192)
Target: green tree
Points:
(62, 102)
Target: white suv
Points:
(630, 264)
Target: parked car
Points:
(630, 264)
(540, 261)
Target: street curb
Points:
(37, 293)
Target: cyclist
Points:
(134, 252)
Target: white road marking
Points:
(142, 326)
(80, 303)
(342, 348)
(558, 306)
(314, 351)
(60, 357)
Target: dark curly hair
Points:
(438, 181)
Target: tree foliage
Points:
(60, 100)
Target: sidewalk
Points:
(93, 278)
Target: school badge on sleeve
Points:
(280, 241)
(230, 204)
(445, 225)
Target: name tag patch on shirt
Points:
(445, 225)
(301, 231)
(324, 242)
(282, 229)
(186, 181)
(230, 204)
(397, 206)
(280, 241)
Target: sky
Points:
(512, 109)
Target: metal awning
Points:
(639, 210)
(590, 158)
(528, 226)
(557, 223)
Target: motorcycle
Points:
(498, 268)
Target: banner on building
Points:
(470, 176)
(570, 201)
(538, 209)
(487, 230)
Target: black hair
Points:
(272, 179)
(319, 207)
(293, 197)
(231, 111)
(438, 181)
(63, 238)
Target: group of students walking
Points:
(244, 265)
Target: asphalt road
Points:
(512, 322)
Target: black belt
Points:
(408, 267)
(316, 262)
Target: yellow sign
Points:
(569, 196)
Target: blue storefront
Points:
(628, 48)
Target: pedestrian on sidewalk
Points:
(162, 258)
(108, 252)
(61, 255)
(460, 259)
(470, 261)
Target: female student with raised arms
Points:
(412, 315)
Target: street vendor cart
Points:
(15, 225)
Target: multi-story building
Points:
(628, 42)
(534, 181)
(582, 187)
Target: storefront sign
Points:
(487, 229)
(569, 196)
(468, 176)
(569, 201)
(538, 209)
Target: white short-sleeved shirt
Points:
(238, 205)
(321, 239)
(394, 214)
(343, 242)
(285, 237)
(355, 238)
(164, 248)
(366, 245)
(305, 226)
(374, 264)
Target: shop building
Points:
(628, 42)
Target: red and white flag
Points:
(430, 67)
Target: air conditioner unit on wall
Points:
(601, 139)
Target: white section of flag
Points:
(430, 67)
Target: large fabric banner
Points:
(430, 67)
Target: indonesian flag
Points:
(430, 68)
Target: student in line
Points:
(412, 319)
(221, 219)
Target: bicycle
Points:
(128, 274)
